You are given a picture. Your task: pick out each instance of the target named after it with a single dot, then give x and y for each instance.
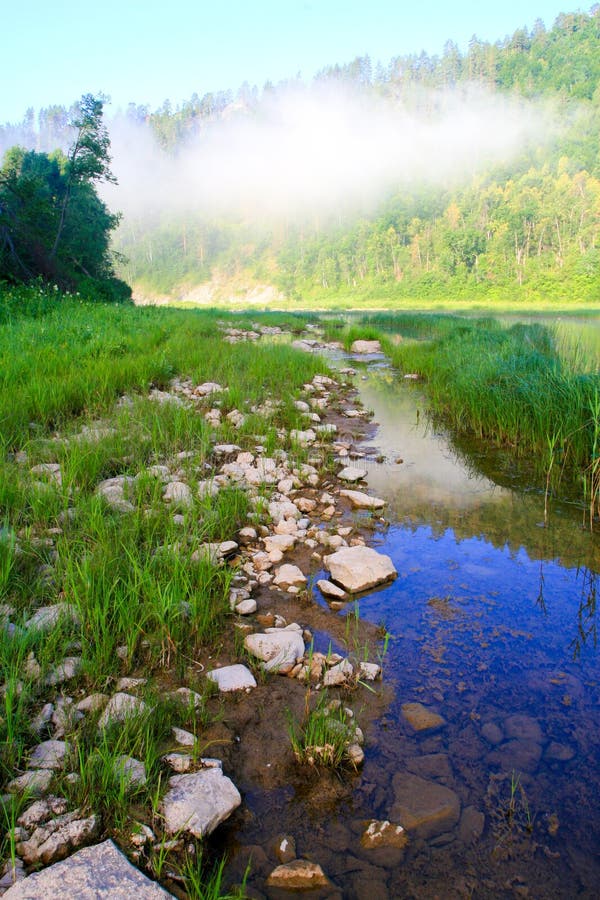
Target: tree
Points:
(88, 159)
(53, 225)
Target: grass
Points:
(323, 736)
(77, 381)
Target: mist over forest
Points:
(464, 174)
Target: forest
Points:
(528, 229)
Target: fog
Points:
(319, 150)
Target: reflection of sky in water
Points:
(429, 470)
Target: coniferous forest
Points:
(523, 230)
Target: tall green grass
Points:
(515, 387)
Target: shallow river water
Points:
(493, 626)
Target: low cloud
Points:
(318, 150)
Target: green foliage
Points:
(53, 225)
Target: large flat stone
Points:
(199, 802)
(423, 808)
(359, 568)
(95, 873)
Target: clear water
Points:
(493, 626)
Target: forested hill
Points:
(526, 229)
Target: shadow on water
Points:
(494, 629)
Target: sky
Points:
(145, 51)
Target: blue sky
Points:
(146, 51)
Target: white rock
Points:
(359, 500)
(91, 873)
(246, 607)
(281, 542)
(351, 473)
(47, 617)
(340, 674)
(207, 388)
(232, 678)
(279, 650)
(184, 738)
(130, 770)
(366, 347)
(178, 493)
(288, 576)
(120, 707)
(329, 589)
(369, 671)
(199, 802)
(48, 755)
(360, 568)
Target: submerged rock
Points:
(421, 718)
(424, 807)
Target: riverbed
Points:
(491, 626)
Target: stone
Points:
(279, 650)
(304, 438)
(178, 493)
(285, 849)
(131, 772)
(359, 500)
(369, 671)
(69, 668)
(355, 754)
(331, 590)
(351, 473)
(423, 808)
(35, 782)
(288, 576)
(383, 834)
(246, 607)
(472, 823)
(92, 703)
(281, 542)
(298, 875)
(207, 388)
(522, 756)
(199, 802)
(492, 733)
(342, 673)
(232, 678)
(42, 810)
(559, 752)
(247, 535)
(95, 872)
(359, 568)
(47, 617)
(421, 718)
(523, 728)
(365, 347)
(121, 706)
(179, 762)
(431, 765)
(48, 755)
(57, 838)
(183, 737)
(113, 492)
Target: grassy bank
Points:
(93, 392)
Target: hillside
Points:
(514, 228)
